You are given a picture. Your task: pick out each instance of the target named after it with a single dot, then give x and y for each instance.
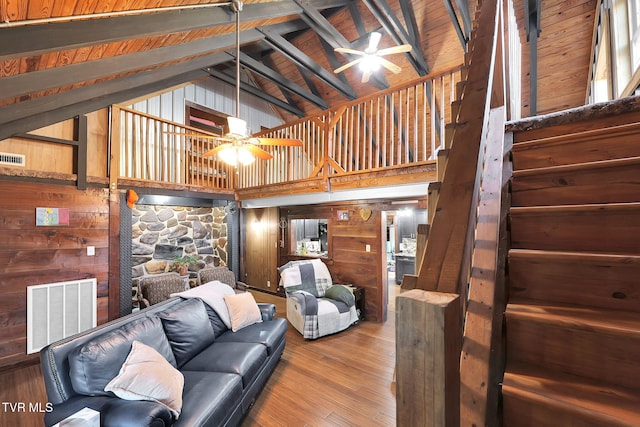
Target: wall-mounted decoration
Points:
(365, 214)
(51, 217)
(343, 215)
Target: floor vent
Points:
(58, 310)
(12, 159)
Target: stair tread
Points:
(614, 322)
(605, 402)
(612, 163)
(576, 208)
(574, 256)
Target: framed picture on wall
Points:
(343, 215)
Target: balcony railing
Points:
(402, 126)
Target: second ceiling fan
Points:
(371, 58)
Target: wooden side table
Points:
(358, 293)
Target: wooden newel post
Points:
(428, 342)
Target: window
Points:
(308, 237)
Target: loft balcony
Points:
(389, 139)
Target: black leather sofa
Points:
(221, 378)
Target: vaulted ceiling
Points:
(61, 58)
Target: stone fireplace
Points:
(161, 233)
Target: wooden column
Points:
(428, 336)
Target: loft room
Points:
(72, 87)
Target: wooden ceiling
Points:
(61, 58)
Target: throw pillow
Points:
(94, 364)
(243, 310)
(146, 375)
(212, 293)
(341, 293)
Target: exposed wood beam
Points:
(385, 15)
(357, 18)
(456, 24)
(266, 60)
(280, 80)
(37, 81)
(463, 8)
(294, 54)
(231, 80)
(31, 40)
(331, 39)
(36, 113)
(410, 21)
(532, 27)
(306, 75)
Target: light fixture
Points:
(235, 153)
(236, 146)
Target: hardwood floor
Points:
(339, 380)
(344, 379)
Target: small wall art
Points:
(52, 217)
(343, 215)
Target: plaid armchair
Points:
(157, 288)
(221, 274)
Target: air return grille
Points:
(58, 310)
(12, 159)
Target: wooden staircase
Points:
(572, 321)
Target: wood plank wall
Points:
(259, 259)
(33, 255)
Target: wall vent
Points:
(12, 159)
(58, 310)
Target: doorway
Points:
(400, 246)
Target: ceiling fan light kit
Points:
(237, 147)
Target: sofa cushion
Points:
(146, 375)
(212, 293)
(243, 310)
(270, 334)
(97, 362)
(244, 359)
(209, 398)
(188, 329)
(217, 324)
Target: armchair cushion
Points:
(155, 289)
(220, 274)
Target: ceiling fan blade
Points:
(280, 141)
(257, 151)
(389, 65)
(374, 39)
(365, 76)
(217, 149)
(192, 135)
(349, 64)
(348, 50)
(395, 49)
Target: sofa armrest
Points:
(130, 413)
(113, 411)
(267, 310)
(241, 286)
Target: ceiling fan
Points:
(237, 146)
(371, 58)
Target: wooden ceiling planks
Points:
(564, 47)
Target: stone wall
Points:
(161, 233)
